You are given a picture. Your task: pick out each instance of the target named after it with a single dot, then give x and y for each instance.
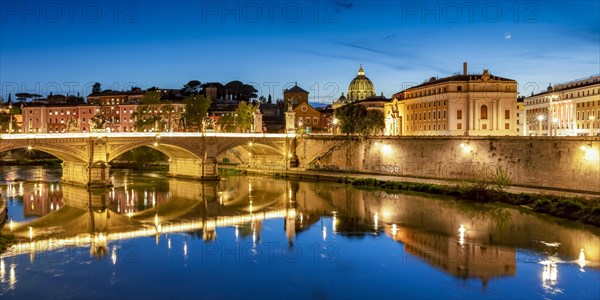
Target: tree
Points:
(196, 107)
(96, 88)
(244, 116)
(192, 87)
(148, 116)
(373, 123)
(357, 119)
(270, 100)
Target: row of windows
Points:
(443, 127)
(428, 104)
(483, 113)
(585, 115)
(565, 96)
(427, 116)
(588, 104)
(306, 120)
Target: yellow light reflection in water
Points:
(550, 276)
(185, 249)
(12, 279)
(376, 221)
(2, 270)
(581, 261)
(113, 255)
(461, 234)
(324, 233)
(30, 233)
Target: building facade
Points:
(567, 109)
(467, 104)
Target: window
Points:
(459, 126)
(307, 120)
(507, 114)
(506, 126)
(483, 126)
(316, 120)
(459, 115)
(459, 88)
(483, 114)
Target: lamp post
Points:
(592, 118)
(555, 125)
(540, 119)
(334, 129)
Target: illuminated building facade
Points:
(567, 109)
(466, 104)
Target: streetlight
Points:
(555, 124)
(334, 122)
(540, 119)
(592, 118)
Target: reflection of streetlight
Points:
(540, 119)
(592, 124)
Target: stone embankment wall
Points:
(571, 163)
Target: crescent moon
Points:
(507, 35)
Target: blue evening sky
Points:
(66, 46)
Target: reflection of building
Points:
(454, 256)
(467, 104)
(42, 200)
(571, 108)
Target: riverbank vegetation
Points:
(572, 208)
(6, 240)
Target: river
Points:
(151, 236)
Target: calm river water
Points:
(255, 237)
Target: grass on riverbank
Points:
(572, 208)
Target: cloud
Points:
(343, 5)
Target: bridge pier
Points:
(84, 174)
(203, 169)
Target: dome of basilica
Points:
(361, 87)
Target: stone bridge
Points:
(86, 156)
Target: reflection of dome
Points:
(361, 87)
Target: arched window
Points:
(484, 112)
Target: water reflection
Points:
(465, 241)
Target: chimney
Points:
(465, 68)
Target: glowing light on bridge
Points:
(29, 136)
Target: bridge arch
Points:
(64, 153)
(170, 150)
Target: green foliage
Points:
(96, 88)
(196, 107)
(153, 114)
(192, 87)
(357, 119)
(141, 157)
(226, 123)
(6, 240)
(244, 116)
